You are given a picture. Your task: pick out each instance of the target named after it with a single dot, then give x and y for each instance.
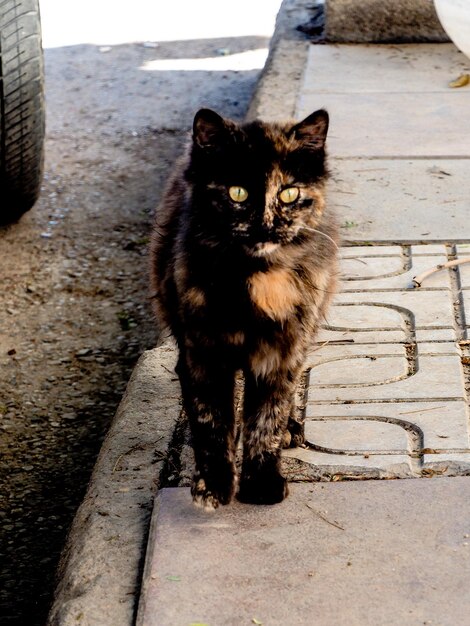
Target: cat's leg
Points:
(295, 433)
(268, 401)
(208, 390)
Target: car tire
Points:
(22, 107)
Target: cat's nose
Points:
(263, 232)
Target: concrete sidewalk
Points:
(332, 554)
(387, 396)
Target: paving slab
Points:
(392, 272)
(375, 251)
(464, 270)
(394, 124)
(399, 138)
(357, 437)
(389, 68)
(333, 554)
(430, 309)
(400, 199)
(389, 366)
(428, 425)
(415, 112)
(428, 249)
(466, 302)
(438, 377)
(312, 464)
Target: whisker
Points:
(314, 230)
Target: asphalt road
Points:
(123, 81)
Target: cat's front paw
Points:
(202, 496)
(294, 435)
(263, 488)
(208, 496)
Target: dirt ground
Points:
(74, 309)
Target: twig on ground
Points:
(433, 408)
(325, 519)
(355, 258)
(418, 280)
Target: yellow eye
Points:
(238, 194)
(289, 195)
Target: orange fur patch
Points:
(195, 297)
(275, 293)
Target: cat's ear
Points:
(313, 129)
(209, 128)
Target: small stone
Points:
(83, 352)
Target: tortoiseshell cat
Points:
(243, 266)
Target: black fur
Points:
(242, 285)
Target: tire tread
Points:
(22, 114)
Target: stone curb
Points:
(101, 566)
(383, 21)
(276, 92)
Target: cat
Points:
(243, 266)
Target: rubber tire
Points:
(22, 107)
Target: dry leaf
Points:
(461, 81)
(256, 621)
(429, 472)
(336, 477)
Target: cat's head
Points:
(258, 185)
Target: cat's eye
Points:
(289, 195)
(238, 194)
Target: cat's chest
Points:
(275, 293)
(235, 301)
